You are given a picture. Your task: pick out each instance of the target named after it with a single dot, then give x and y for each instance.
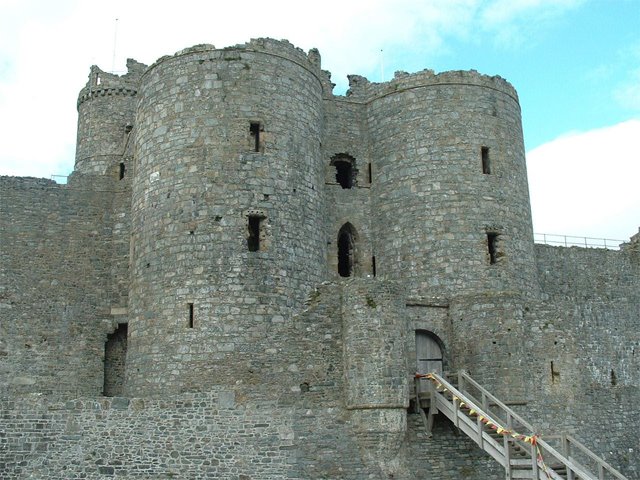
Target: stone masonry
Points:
(236, 278)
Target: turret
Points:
(227, 208)
(449, 190)
(106, 114)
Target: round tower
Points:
(450, 191)
(106, 111)
(227, 201)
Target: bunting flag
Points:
(531, 439)
(545, 469)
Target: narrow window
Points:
(373, 265)
(370, 175)
(122, 170)
(254, 130)
(492, 243)
(346, 250)
(253, 238)
(486, 164)
(190, 306)
(115, 353)
(555, 374)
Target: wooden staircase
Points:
(506, 436)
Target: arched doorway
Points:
(429, 355)
(428, 352)
(347, 238)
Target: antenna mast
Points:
(115, 39)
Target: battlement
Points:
(27, 183)
(362, 88)
(101, 83)
(278, 48)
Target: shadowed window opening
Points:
(370, 174)
(190, 306)
(254, 130)
(253, 239)
(373, 265)
(555, 374)
(345, 170)
(344, 173)
(346, 250)
(122, 170)
(486, 163)
(492, 244)
(115, 353)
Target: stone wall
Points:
(295, 423)
(596, 340)
(55, 269)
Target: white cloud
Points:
(46, 49)
(515, 21)
(586, 183)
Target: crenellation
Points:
(244, 273)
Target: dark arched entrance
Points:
(346, 250)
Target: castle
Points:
(244, 272)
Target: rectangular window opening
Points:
(373, 265)
(254, 130)
(486, 163)
(492, 243)
(370, 175)
(190, 305)
(253, 239)
(122, 170)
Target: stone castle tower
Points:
(237, 239)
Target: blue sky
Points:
(575, 64)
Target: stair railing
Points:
(503, 412)
(490, 403)
(571, 446)
(474, 429)
(501, 418)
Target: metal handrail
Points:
(554, 239)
